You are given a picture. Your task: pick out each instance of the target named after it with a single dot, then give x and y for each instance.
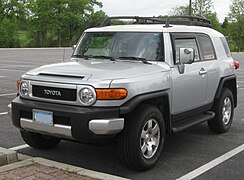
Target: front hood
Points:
(98, 70)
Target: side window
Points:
(226, 47)
(186, 43)
(206, 47)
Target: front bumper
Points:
(84, 124)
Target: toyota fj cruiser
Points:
(131, 83)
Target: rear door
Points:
(208, 55)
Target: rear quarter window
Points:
(226, 47)
(206, 47)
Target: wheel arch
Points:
(159, 99)
(230, 83)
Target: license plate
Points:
(43, 117)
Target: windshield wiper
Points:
(86, 57)
(81, 56)
(144, 60)
(91, 56)
(104, 57)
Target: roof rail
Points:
(192, 21)
(167, 21)
(139, 20)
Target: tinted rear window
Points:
(226, 47)
(206, 47)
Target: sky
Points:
(155, 7)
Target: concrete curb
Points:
(7, 156)
(62, 166)
(10, 160)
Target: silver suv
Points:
(131, 83)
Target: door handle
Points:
(202, 71)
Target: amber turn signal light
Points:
(111, 94)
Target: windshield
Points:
(121, 45)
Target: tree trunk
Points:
(239, 45)
(59, 38)
(70, 35)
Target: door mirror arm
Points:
(181, 68)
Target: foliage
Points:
(46, 23)
(236, 25)
(13, 9)
(180, 10)
(12, 13)
(202, 8)
(61, 21)
(8, 37)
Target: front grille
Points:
(63, 94)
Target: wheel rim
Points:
(150, 138)
(226, 111)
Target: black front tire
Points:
(224, 111)
(142, 140)
(39, 141)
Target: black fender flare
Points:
(233, 88)
(130, 105)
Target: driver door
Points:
(189, 88)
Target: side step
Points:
(191, 121)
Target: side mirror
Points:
(187, 55)
(73, 47)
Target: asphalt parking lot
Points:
(197, 151)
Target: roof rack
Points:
(192, 21)
(139, 20)
(167, 21)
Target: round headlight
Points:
(24, 89)
(87, 96)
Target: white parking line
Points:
(58, 48)
(5, 69)
(197, 172)
(3, 113)
(16, 148)
(10, 94)
(19, 62)
(2, 76)
(15, 65)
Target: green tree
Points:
(179, 10)
(12, 12)
(202, 8)
(236, 25)
(56, 22)
(8, 35)
(214, 21)
(96, 19)
(12, 9)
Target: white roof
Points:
(155, 28)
